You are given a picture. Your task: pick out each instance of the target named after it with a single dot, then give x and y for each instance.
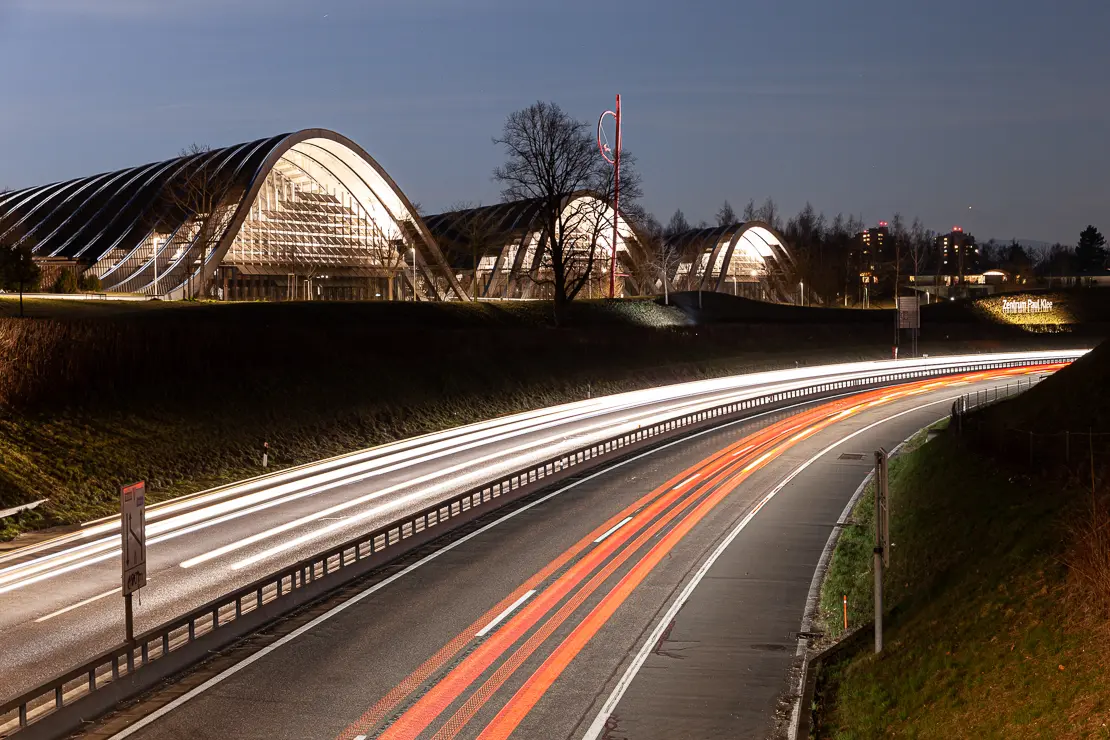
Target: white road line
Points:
(598, 726)
(614, 528)
(692, 478)
(229, 672)
(78, 605)
(512, 608)
(814, 596)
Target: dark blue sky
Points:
(857, 106)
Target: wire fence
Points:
(1037, 449)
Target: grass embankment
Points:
(999, 623)
(96, 394)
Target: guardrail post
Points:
(57, 697)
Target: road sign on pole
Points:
(133, 558)
(882, 539)
(909, 312)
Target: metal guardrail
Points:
(60, 705)
(970, 402)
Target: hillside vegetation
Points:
(95, 394)
(999, 586)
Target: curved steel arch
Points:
(701, 248)
(286, 144)
(108, 219)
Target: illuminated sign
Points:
(1027, 305)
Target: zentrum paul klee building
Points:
(311, 215)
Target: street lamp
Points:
(613, 157)
(412, 255)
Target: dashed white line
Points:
(614, 528)
(78, 605)
(691, 479)
(598, 726)
(498, 619)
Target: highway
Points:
(59, 600)
(560, 619)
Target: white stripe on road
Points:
(614, 528)
(692, 478)
(78, 605)
(512, 608)
(229, 672)
(598, 726)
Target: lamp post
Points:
(612, 155)
(412, 254)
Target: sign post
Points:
(882, 539)
(909, 317)
(133, 560)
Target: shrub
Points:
(89, 283)
(66, 282)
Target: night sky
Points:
(856, 106)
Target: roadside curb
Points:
(801, 725)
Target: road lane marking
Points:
(661, 496)
(598, 726)
(449, 688)
(251, 659)
(813, 596)
(78, 605)
(614, 528)
(512, 608)
(339, 608)
(721, 473)
(691, 479)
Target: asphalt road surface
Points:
(557, 621)
(60, 603)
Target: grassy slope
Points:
(183, 395)
(985, 640)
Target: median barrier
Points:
(65, 703)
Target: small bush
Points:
(89, 283)
(66, 282)
(1088, 556)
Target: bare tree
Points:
(552, 157)
(662, 256)
(677, 225)
(750, 212)
(201, 196)
(898, 239)
(768, 213)
(919, 245)
(725, 215)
